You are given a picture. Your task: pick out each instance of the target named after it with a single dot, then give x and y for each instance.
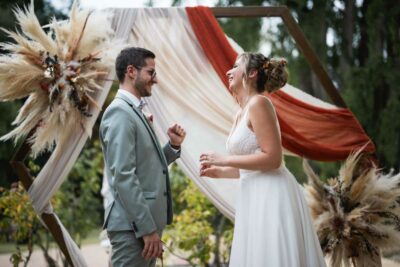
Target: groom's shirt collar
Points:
(132, 97)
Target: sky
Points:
(129, 3)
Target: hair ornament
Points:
(266, 64)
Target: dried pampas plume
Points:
(59, 71)
(357, 214)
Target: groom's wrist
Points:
(176, 147)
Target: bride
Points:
(273, 225)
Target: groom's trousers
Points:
(127, 250)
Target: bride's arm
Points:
(263, 123)
(219, 172)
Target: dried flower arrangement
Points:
(59, 72)
(357, 214)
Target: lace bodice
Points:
(242, 140)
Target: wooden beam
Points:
(23, 173)
(297, 34)
(247, 11)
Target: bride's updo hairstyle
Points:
(272, 74)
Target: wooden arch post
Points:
(18, 164)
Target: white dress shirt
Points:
(136, 102)
(132, 97)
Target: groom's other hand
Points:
(152, 246)
(176, 135)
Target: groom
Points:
(136, 165)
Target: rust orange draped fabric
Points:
(308, 131)
(212, 39)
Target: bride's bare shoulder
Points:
(260, 102)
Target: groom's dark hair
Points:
(134, 56)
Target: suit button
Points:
(164, 171)
(165, 194)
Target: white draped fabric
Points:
(188, 92)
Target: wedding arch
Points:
(193, 55)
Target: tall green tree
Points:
(358, 43)
(245, 31)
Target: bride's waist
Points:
(248, 173)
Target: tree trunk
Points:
(348, 23)
(313, 22)
(362, 54)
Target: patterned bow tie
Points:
(141, 105)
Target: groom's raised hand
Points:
(176, 135)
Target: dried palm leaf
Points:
(60, 72)
(357, 214)
(31, 28)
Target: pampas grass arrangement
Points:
(59, 72)
(357, 214)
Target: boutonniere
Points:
(149, 117)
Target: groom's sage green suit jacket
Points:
(137, 170)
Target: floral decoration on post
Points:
(59, 71)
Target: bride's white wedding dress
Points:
(273, 226)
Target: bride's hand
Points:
(213, 159)
(209, 171)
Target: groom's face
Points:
(146, 77)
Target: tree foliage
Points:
(245, 31)
(358, 43)
(199, 230)
(18, 221)
(78, 201)
(77, 204)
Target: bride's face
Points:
(235, 76)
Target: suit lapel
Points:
(148, 127)
(151, 132)
(155, 139)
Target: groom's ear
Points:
(131, 72)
